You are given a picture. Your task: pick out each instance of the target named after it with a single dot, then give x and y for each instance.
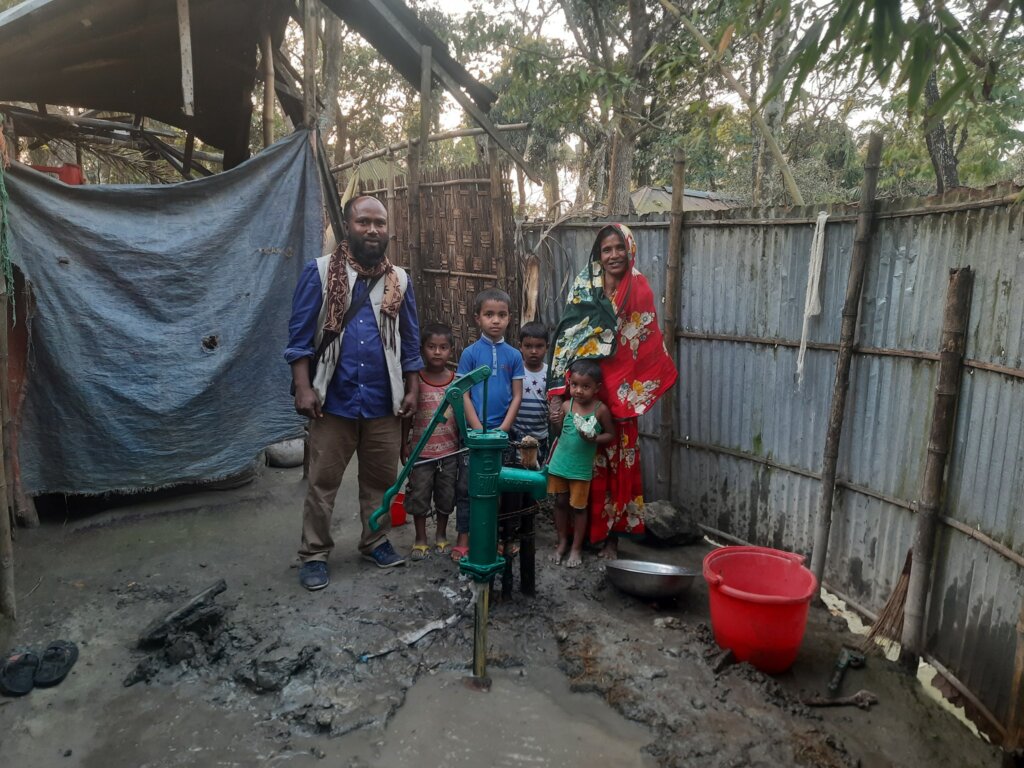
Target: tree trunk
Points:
(940, 148)
(341, 140)
(631, 105)
(644, 143)
(333, 50)
(620, 171)
(521, 187)
(757, 137)
(552, 188)
(773, 110)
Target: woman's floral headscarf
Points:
(620, 330)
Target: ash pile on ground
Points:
(346, 667)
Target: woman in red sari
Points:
(610, 316)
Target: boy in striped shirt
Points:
(532, 419)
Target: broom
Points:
(889, 623)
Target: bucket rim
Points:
(716, 581)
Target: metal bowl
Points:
(649, 581)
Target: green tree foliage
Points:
(906, 42)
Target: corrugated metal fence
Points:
(749, 436)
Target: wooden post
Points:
(426, 81)
(416, 152)
(413, 205)
(940, 437)
(185, 45)
(1015, 717)
(8, 601)
(390, 203)
(670, 323)
(851, 310)
(269, 84)
(497, 220)
(310, 19)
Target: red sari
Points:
(621, 331)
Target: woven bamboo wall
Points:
(458, 258)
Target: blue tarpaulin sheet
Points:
(160, 316)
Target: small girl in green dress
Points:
(586, 424)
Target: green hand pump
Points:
(487, 481)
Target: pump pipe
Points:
(487, 481)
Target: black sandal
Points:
(17, 673)
(57, 660)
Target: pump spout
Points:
(528, 481)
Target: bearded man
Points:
(354, 351)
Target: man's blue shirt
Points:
(361, 387)
(506, 364)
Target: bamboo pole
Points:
(458, 133)
(412, 202)
(497, 220)
(267, 56)
(185, 45)
(392, 207)
(673, 262)
(947, 393)
(310, 19)
(426, 82)
(8, 600)
(851, 310)
(416, 150)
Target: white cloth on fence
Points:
(812, 299)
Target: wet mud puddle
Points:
(528, 719)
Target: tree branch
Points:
(606, 49)
(755, 114)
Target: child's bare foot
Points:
(559, 553)
(575, 559)
(610, 550)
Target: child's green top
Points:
(574, 456)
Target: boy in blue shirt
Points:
(504, 387)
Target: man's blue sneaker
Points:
(384, 556)
(313, 575)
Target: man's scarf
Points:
(339, 294)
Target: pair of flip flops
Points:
(21, 672)
(420, 551)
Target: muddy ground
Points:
(274, 675)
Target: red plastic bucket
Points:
(759, 601)
(398, 516)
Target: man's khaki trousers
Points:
(332, 441)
